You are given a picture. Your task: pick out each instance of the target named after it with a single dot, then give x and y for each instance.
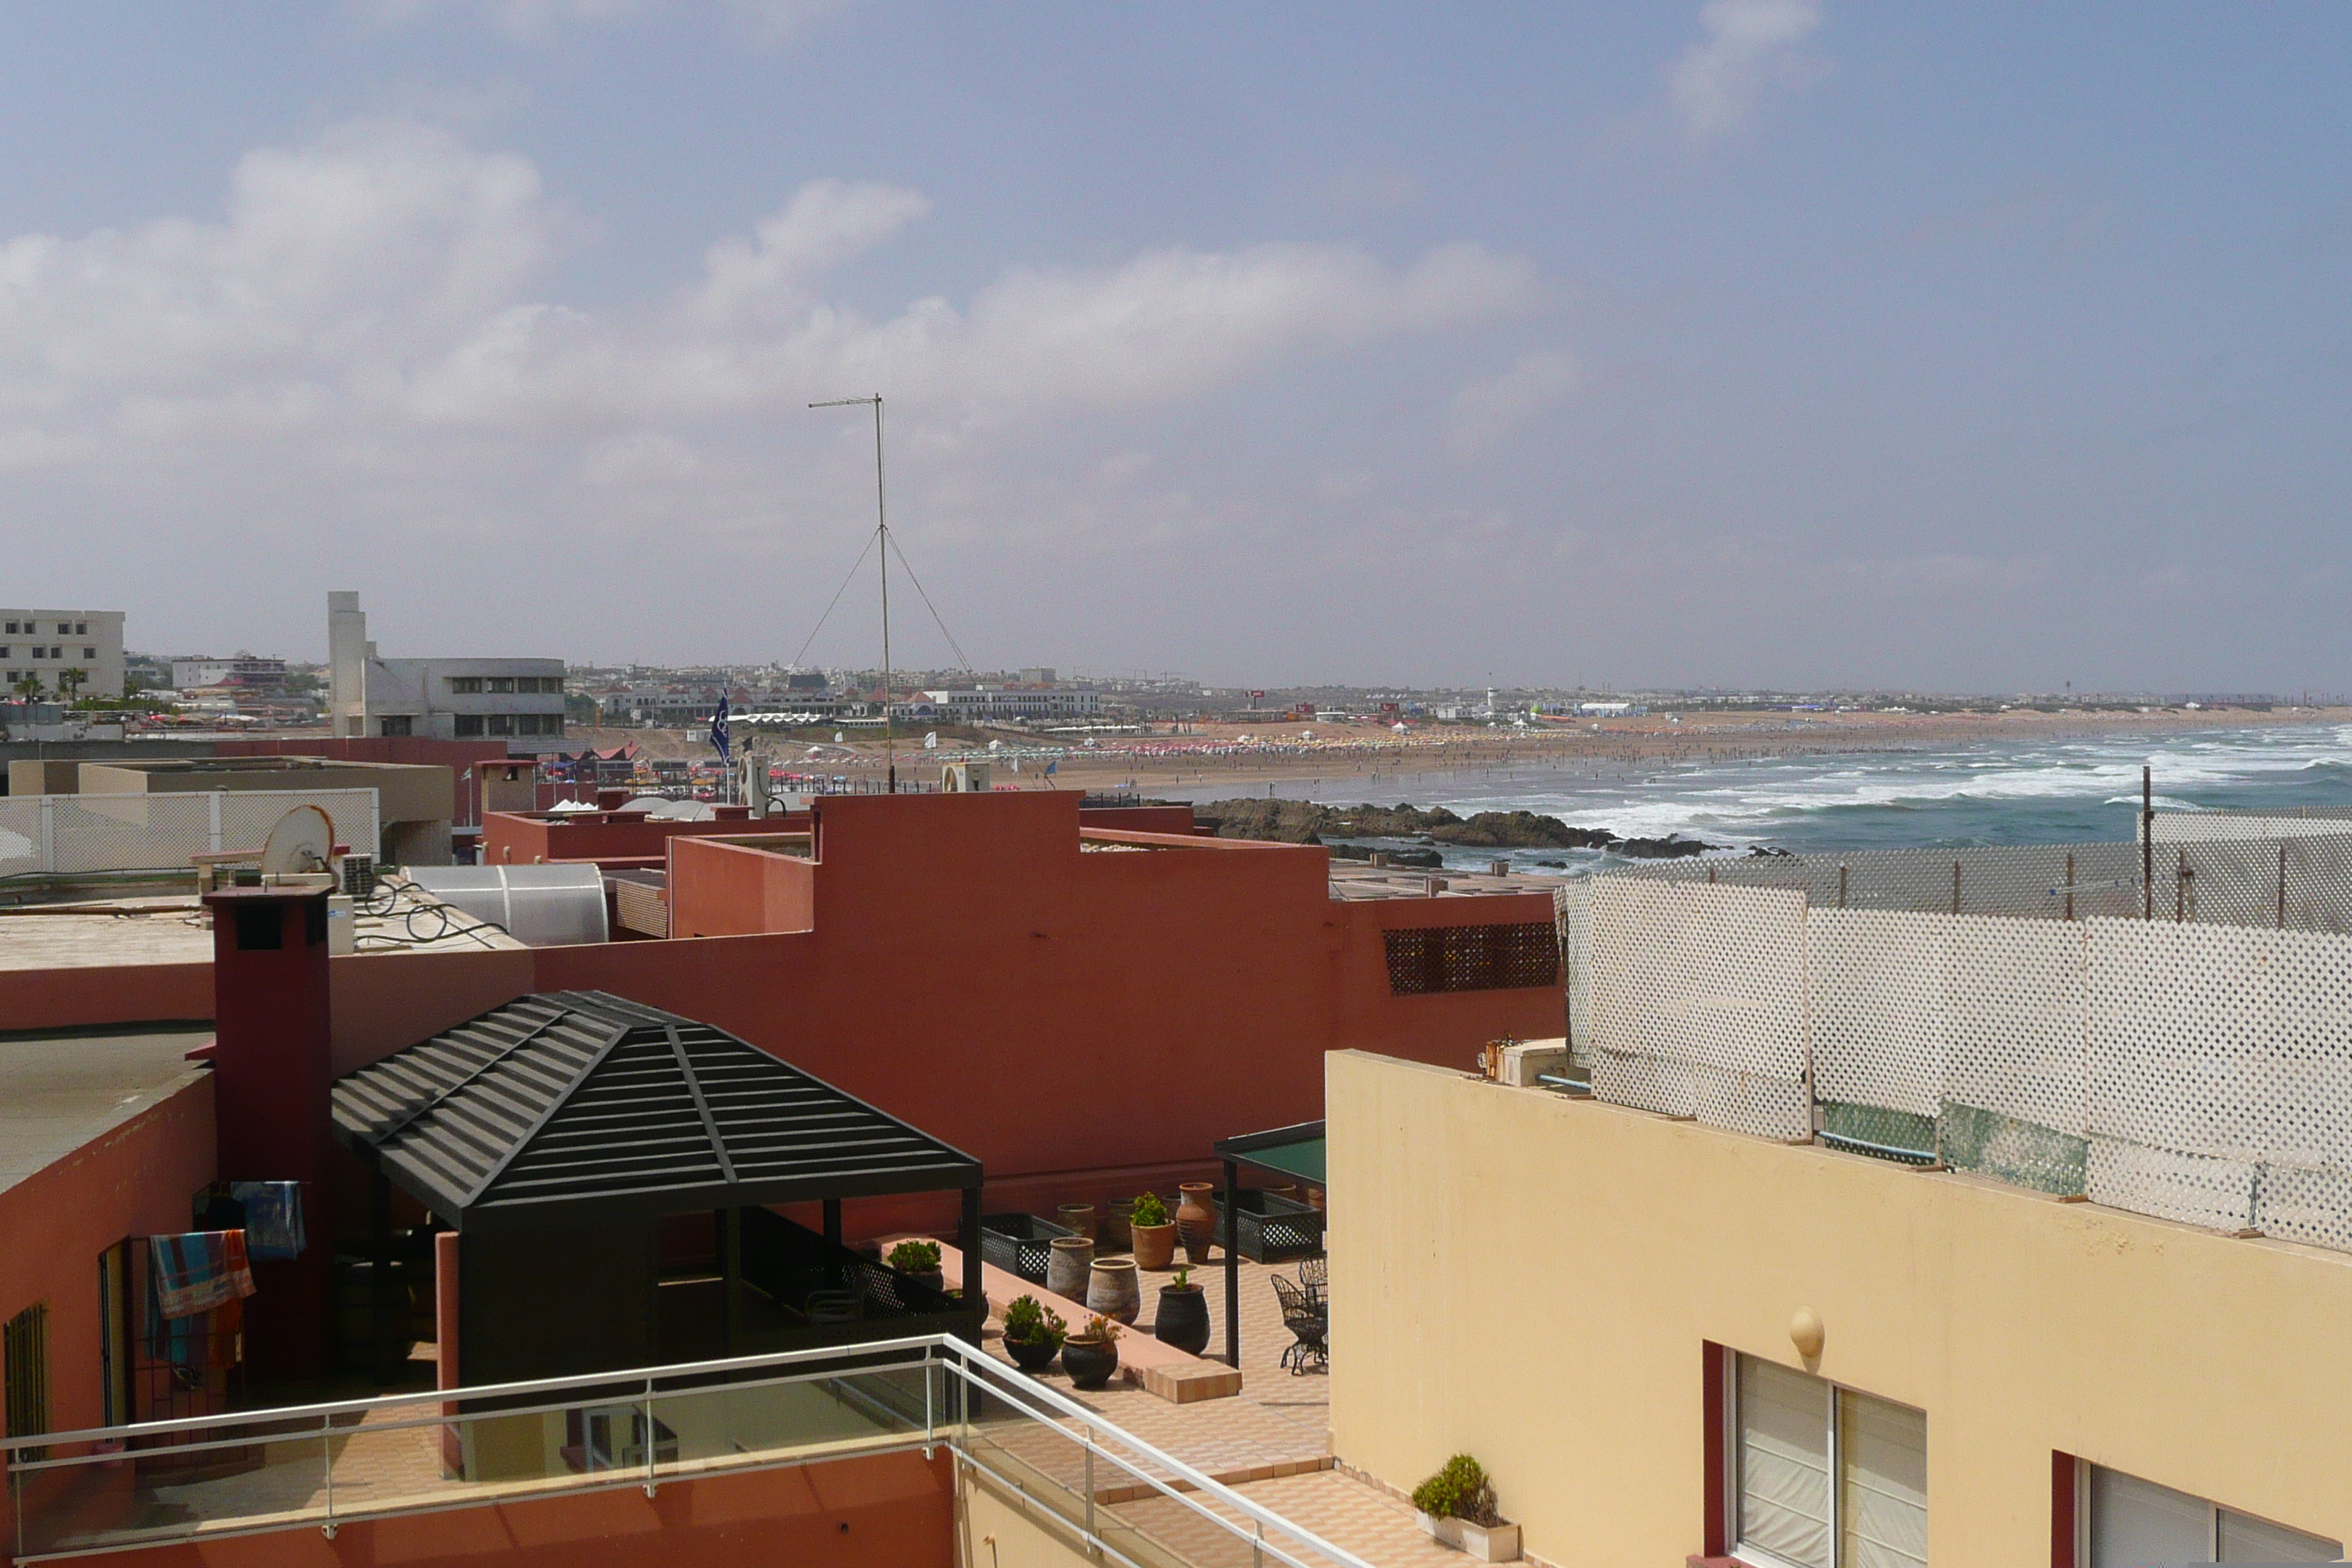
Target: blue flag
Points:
(1051, 768)
(718, 728)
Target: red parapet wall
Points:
(961, 962)
(518, 839)
(78, 996)
(894, 1509)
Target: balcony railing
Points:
(320, 1466)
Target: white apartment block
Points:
(446, 699)
(1028, 704)
(194, 674)
(43, 645)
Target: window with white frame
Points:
(2132, 1522)
(1825, 1477)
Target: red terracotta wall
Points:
(386, 1002)
(137, 1180)
(111, 993)
(897, 1510)
(509, 837)
(1051, 1011)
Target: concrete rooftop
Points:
(60, 1090)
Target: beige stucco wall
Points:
(406, 792)
(999, 1528)
(1531, 1279)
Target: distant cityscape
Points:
(66, 670)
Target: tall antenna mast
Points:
(882, 539)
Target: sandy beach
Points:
(1248, 757)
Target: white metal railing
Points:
(320, 1466)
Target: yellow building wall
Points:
(1531, 1279)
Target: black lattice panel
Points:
(1472, 958)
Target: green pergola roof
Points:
(1292, 1150)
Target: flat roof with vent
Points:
(576, 1105)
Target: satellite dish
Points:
(302, 840)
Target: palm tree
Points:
(70, 681)
(28, 685)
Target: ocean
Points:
(1992, 792)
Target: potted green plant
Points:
(1032, 1333)
(1091, 1354)
(1154, 1233)
(919, 1260)
(1457, 1509)
(1182, 1320)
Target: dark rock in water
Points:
(1673, 846)
(1304, 822)
(1553, 865)
(1767, 852)
(1521, 830)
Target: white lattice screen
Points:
(1698, 1003)
(2197, 1072)
(1878, 1007)
(73, 833)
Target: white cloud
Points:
(365, 332)
(1749, 49)
(1485, 413)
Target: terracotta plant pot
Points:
(1065, 1272)
(1155, 1245)
(1089, 1364)
(1117, 1233)
(1196, 1222)
(1032, 1355)
(1079, 1219)
(1112, 1290)
(1182, 1320)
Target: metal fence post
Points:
(652, 1447)
(212, 822)
(327, 1464)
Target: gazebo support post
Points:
(383, 1328)
(975, 1295)
(832, 1222)
(1232, 1265)
(731, 1273)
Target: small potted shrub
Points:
(1458, 1508)
(1091, 1354)
(919, 1260)
(1032, 1333)
(1182, 1320)
(1154, 1233)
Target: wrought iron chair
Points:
(1309, 1321)
(1315, 1273)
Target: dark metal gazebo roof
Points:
(578, 1106)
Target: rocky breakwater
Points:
(1304, 822)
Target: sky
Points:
(1790, 342)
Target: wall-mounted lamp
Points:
(1805, 1332)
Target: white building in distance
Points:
(244, 670)
(446, 699)
(44, 644)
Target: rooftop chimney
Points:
(271, 1077)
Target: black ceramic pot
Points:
(1089, 1364)
(1182, 1320)
(1031, 1355)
